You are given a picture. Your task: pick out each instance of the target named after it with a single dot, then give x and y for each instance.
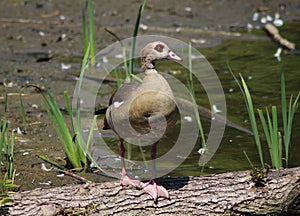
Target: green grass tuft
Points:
(274, 137)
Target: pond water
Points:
(255, 61)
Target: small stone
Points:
(263, 20)
(65, 66)
(178, 29)
(43, 166)
(34, 106)
(276, 16)
(42, 34)
(278, 22)
(60, 175)
(255, 16)
(249, 27)
(62, 17)
(269, 18)
(143, 27)
(188, 9)
(199, 41)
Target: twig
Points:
(78, 177)
(272, 30)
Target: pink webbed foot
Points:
(126, 180)
(155, 190)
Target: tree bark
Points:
(230, 193)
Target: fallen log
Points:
(230, 193)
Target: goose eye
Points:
(159, 47)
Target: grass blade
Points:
(288, 132)
(283, 103)
(135, 32)
(265, 127)
(84, 63)
(280, 149)
(250, 108)
(114, 35)
(195, 105)
(85, 28)
(91, 29)
(79, 143)
(69, 108)
(119, 82)
(284, 119)
(271, 146)
(23, 114)
(249, 105)
(136, 78)
(248, 159)
(275, 143)
(5, 104)
(4, 129)
(90, 137)
(10, 154)
(51, 162)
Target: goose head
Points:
(155, 51)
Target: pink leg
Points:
(152, 188)
(125, 179)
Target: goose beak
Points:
(172, 56)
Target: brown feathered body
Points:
(149, 107)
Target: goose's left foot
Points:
(155, 190)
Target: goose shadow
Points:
(173, 183)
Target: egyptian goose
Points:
(144, 110)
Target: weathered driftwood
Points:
(272, 30)
(222, 194)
